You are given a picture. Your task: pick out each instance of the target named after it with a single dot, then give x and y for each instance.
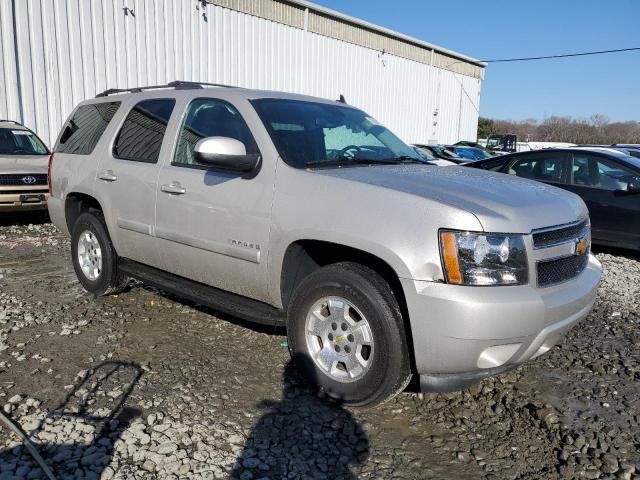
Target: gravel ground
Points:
(142, 385)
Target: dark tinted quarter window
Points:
(208, 117)
(83, 130)
(142, 132)
(547, 167)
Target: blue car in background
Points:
(470, 153)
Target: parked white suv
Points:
(292, 210)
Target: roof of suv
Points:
(195, 89)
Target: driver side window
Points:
(597, 172)
(209, 117)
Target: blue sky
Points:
(578, 87)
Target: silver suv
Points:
(298, 211)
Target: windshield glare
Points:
(20, 142)
(309, 132)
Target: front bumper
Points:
(462, 334)
(23, 201)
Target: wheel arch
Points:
(303, 257)
(76, 204)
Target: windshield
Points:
(20, 142)
(312, 134)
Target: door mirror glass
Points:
(634, 185)
(224, 153)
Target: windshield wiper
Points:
(404, 159)
(337, 162)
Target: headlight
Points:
(483, 258)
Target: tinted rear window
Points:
(142, 132)
(84, 129)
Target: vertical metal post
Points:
(15, 47)
(460, 108)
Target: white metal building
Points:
(55, 53)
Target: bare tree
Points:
(597, 129)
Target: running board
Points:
(220, 300)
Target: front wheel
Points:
(346, 323)
(94, 258)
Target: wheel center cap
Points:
(339, 338)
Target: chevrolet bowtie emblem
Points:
(582, 246)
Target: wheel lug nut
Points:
(334, 326)
(350, 337)
(343, 326)
(347, 349)
(330, 336)
(337, 347)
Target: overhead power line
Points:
(546, 57)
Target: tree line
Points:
(597, 129)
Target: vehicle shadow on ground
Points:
(619, 252)
(303, 435)
(95, 408)
(24, 218)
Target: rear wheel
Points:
(345, 321)
(94, 258)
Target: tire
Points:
(103, 277)
(329, 292)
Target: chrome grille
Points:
(547, 237)
(552, 272)
(18, 179)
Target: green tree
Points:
(486, 127)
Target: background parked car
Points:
(493, 153)
(607, 180)
(470, 153)
(442, 152)
(633, 150)
(431, 159)
(629, 149)
(23, 168)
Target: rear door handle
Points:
(107, 176)
(173, 188)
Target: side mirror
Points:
(225, 153)
(634, 185)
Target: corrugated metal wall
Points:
(55, 53)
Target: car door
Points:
(213, 226)
(127, 177)
(601, 182)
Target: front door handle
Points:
(173, 188)
(107, 176)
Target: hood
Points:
(11, 164)
(502, 203)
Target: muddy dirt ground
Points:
(142, 385)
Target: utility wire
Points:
(580, 54)
(546, 57)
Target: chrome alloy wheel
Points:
(89, 255)
(339, 339)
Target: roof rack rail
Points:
(177, 84)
